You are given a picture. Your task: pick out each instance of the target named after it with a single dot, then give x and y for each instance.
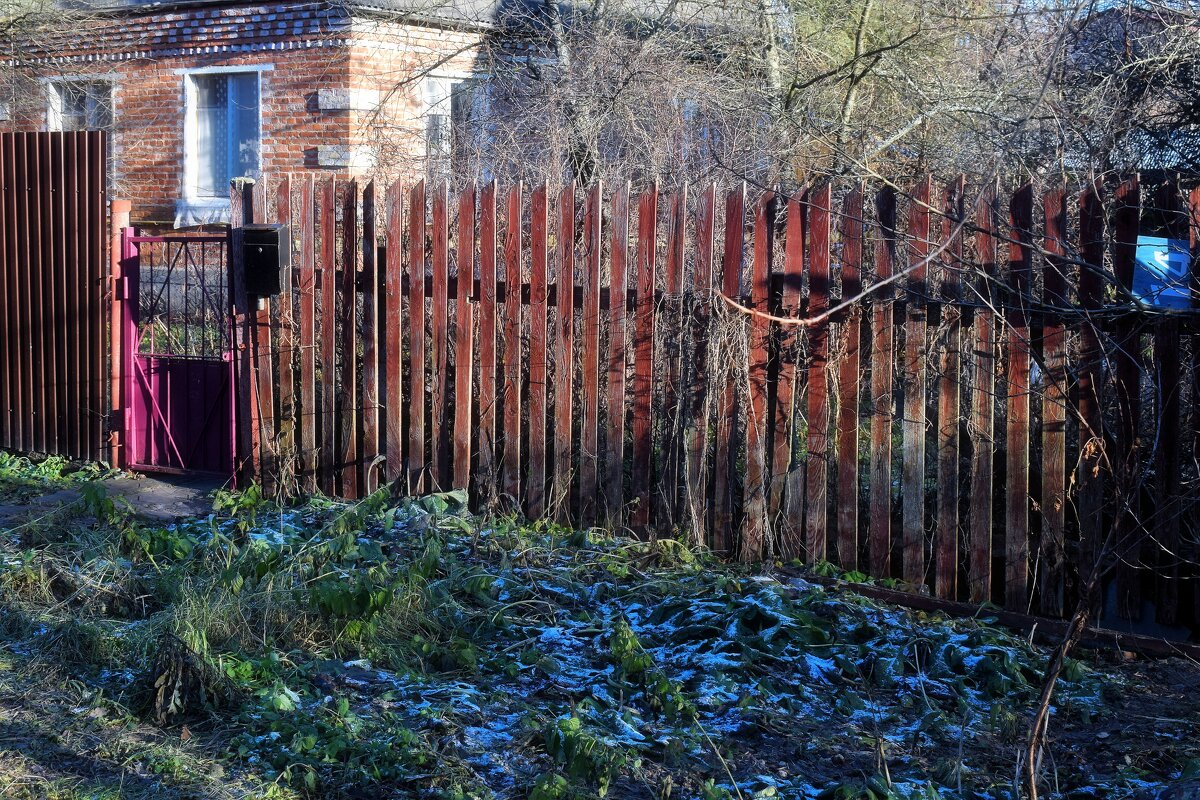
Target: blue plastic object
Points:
(1160, 276)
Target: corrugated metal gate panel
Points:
(53, 255)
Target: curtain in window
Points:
(227, 136)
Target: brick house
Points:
(198, 92)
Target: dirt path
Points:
(157, 499)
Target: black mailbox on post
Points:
(266, 250)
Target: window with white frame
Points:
(223, 136)
(80, 105)
(451, 102)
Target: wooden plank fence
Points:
(631, 358)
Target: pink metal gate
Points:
(178, 359)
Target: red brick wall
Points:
(309, 47)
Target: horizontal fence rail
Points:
(948, 386)
(53, 310)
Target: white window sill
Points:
(201, 211)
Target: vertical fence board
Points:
(724, 456)
(1091, 422)
(912, 486)
(487, 343)
(849, 381)
(50, 297)
(617, 357)
(1017, 358)
(589, 352)
(981, 424)
(1128, 396)
(816, 514)
(308, 339)
(265, 375)
(348, 406)
(328, 329)
(882, 401)
(414, 265)
(286, 424)
(24, 301)
(949, 397)
(535, 488)
(55, 283)
(786, 502)
(1053, 502)
(1166, 377)
(246, 444)
(671, 345)
(641, 402)
(369, 479)
(7, 236)
(74, 288)
(97, 205)
(754, 529)
(464, 330)
(510, 466)
(439, 315)
(564, 364)
(1128, 358)
(11, 367)
(36, 272)
(393, 345)
(698, 395)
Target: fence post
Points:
(117, 285)
(246, 461)
(1016, 493)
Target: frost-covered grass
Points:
(408, 649)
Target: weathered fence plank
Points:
(464, 332)
(564, 357)
(786, 502)
(641, 401)
(348, 404)
(949, 395)
(439, 324)
(486, 480)
(698, 394)
(510, 369)
(328, 328)
(416, 462)
(981, 423)
(672, 338)
(535, 489)
(1092, 456)
(617, 357)
(1053, 501)
(882, 397)
(369, 479)
(912, 423)
(308, 338)
(286, 437)
(755, 529)
(848, 381)
(589, 353)
(1128, 357)
(727, 408)
(1017, 358)
(816, 507)
(393, 342)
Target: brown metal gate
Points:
(53, 253)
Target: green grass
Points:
(409, 649)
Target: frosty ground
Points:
(397, 648)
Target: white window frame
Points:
(428, 106)
(54, 97)
(190, 165)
